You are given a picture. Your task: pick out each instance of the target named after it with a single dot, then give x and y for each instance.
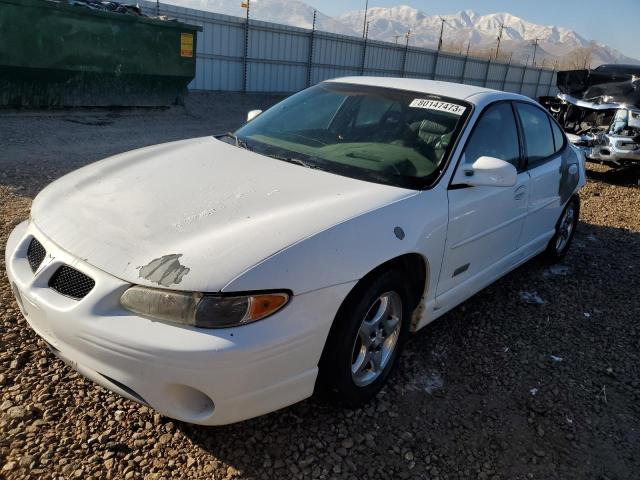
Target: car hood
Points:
(195, 214)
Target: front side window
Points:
(495, 135)
(376, 134)
(537, 132)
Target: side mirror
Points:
(487, 172)
(253, 114)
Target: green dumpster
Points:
(55, 54)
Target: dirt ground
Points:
(499, 388)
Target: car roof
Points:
(471, 93)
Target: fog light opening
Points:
(191, 404)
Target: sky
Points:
(613, 23)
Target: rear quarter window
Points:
(558, 135)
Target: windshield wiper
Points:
(294, 160)
(239, 142)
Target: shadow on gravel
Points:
(501, 387)
(619, 176)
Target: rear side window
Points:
(538, 138)
(558, 135)
(495, 135)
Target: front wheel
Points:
(565, 230)
(369, 331)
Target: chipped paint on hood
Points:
(218, 208)
(165, 271)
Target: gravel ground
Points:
(503, 387)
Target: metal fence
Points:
(233, 55)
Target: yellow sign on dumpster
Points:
(186, 45)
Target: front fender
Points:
(347, 251)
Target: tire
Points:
(345, 349)
(565, 230)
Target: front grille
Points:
(71, 283)
(35, 254)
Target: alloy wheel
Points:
(377, 339)
(565, 228)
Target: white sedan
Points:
(220, 278)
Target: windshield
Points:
(377, 134)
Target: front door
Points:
(543, 148)
(485, 223)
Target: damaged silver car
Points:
(599, 110)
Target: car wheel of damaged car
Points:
(367, 337)
(565, 230)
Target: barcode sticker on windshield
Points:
(437, 105)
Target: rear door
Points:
(543, 151)
(485, 223)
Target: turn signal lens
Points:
(262, 306)
(201, 310)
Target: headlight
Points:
(202, 310)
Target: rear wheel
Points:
(565, 230)
(365, 341)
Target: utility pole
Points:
(364, 47)
(553, 72)
(364, 24)
(539, 77)
(524, 72)
(464, 65)
(312, 38)
(535, 48)
(406, 50)
(396, 37)
(499, 38)
(506, 71)
(246, 4)
(442, 21)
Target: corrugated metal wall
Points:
(268, 57)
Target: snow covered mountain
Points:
(391, 24)
(482, 32)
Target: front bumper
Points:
(210, 377)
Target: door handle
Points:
(520, 192)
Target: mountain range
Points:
(461, 30)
